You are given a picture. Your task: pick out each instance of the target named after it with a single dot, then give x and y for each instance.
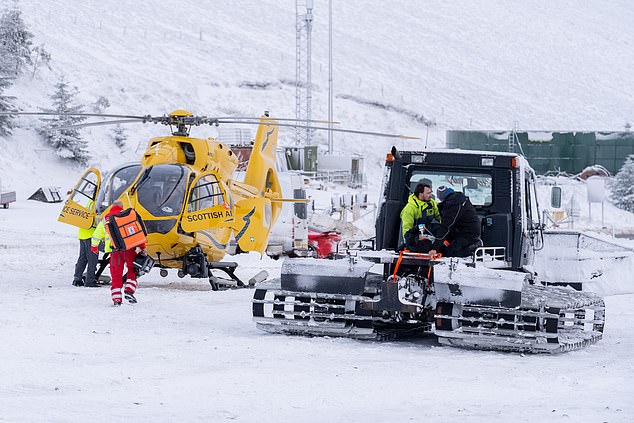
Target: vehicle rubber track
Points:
(549, 320)
(319, 314)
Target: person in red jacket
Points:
(117, 260)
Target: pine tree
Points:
(623, 186)
(67, 141)
(15, 42)
(39, 57)
(119, 136)
(101, 104)
(6, 121)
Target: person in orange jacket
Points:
(117, 260)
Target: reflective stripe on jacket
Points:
(414, 210)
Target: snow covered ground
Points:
(185, 353)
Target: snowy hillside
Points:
(462, 64)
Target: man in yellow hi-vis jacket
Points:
(87, 260)
(419, 204)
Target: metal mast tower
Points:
(303, 82)
(330, 95)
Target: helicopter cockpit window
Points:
(162, 188)
(84, 193)
(477, 186)
(121, 180)
(115, 184)
(207, 193)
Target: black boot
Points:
(78, 282)
(116, 304)
(130, 297)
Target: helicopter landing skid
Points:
(229, 268)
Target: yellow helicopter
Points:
(184, 190)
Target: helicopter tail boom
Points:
(261, 172)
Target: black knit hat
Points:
(443, 191)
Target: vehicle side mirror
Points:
(555, 197)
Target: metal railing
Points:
(494, 257)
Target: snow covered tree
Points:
(623, 186)
(101, 104)
(15, 42)
(67, 141)
(120, 137)
(39, 57)
(6, 121)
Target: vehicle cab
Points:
(501, 187)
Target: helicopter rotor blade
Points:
(108, 122)
(350, 131)
(275, 118)
(157, 118)
(193, 120)
(147, 117)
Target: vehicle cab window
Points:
(116, 183)
(477, 186)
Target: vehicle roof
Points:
(461, 151)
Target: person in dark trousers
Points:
(458, 234)
(87, 260)
(420, 237)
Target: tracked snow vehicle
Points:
(490, 300)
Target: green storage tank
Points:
(548, 151)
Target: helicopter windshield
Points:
(163, 190)
(117, 182)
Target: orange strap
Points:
(427, 256)
(398, 263)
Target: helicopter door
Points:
(208, 206)
(79, 209)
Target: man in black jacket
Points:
(458, 234)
